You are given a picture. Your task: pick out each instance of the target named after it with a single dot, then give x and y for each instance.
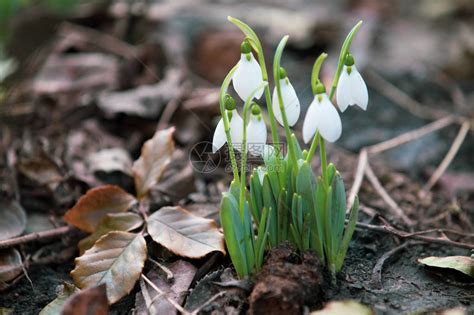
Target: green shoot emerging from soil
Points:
(284, 200)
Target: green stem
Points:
(276, 75)
(243, 162)
(256, 44)
(225, 118)
(324, 163)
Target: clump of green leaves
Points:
(284, 200)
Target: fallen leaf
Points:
(41, 170)
(343, 308)
(89, 301)
(110, 160)
(56, 305)
(126, 221)
(12, 219)
(6, 311)
(145, 101)
(155, 156)
(463, 264)
(185, 234)
(148, 300)
(116, 259)
(91, 208)
(11, 266)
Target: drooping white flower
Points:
(236, 125)
(290, 101)
(248, 75)
(351, 88)
(323, 117)
(256, 132)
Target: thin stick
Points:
(401, 98)
(36, 236)
(359, 176)
(161, 292)
(458, 141)
(403, 235)
(396, 210)
(377, 271)
(411, 135)
(212, 299)
(449, 231)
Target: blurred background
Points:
(61, 60)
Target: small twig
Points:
(161, 292)
(172, 106)
(212, 299)
(396, 210)
(443, 231)
(403, 235)
(411, 135)
(401, 98)
(359, 176)
(377, 271)
(449, 156)
(169, 273)
(36, 236)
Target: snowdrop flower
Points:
(256, 132)
(236, 125)
(248, 75)
(290, 101)
(323, 117)
(351, 89)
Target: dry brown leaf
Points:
(126, 221)
(185, 234)
(88, 301)
(91, 208)
(155, 156)
(462, 264)
(148, 301)
(56, 305)
(116, 259)
(344, 307)
(12, 219)
(11, 265)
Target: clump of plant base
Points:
(284, 200)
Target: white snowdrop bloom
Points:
(290, 101)
(248, 75)
(323, 117)
(236, 125)
(351, 88)
(256, 132)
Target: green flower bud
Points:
(246, 48)
(229, 103)
(256, 109)
(320, 89)
(282, 73)
(349, 61)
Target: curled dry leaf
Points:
(12, 219)
(11, 266)
(155, 156)
(462, 264)
(343, 308)
(148, 300)
(91, 208)
(126, 221)
(116, 259)
(185, 234)
(88, 301)
(56, 305)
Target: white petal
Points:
(328, 121)
(236, 127)
(261, 174)
(358, 88)
(290, 101)
(219, 137)
(310, 122)
(256, 135)
(247, 77)
(343, 93)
